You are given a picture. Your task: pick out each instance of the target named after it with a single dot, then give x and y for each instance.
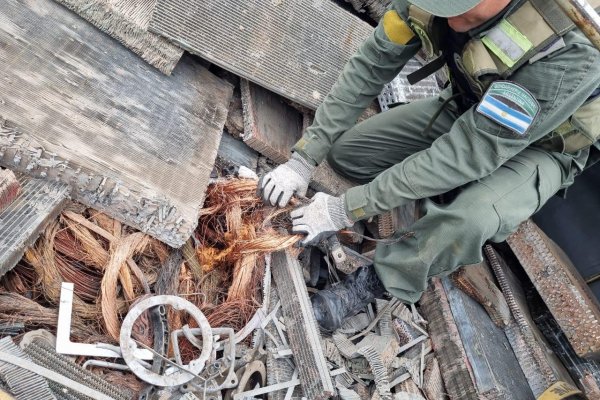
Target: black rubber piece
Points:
(333, 305)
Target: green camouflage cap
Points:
(445, 8)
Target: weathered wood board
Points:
(80, 108)
(38, 203)
(296, 48)
(127, 21)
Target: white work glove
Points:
(278, 186)
(320, 219)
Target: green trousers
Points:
(448, 235)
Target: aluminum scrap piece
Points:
(385, 323)
(39, 202)
(279, 370)
(295, 48)
(51, 375)
(354, 324)
(380, 372)
(100, 133)
(24, 384)
(127, 21)
(128, 345)
(207, 383)
(63, 332)
(266, 390)
(345, 346)
(385, 225)
(271, 126)
(347, 394)
(561, 287)
(399, 91)
(386, 346)
(42, 352)
(332, 354)
(302, 329)
(251, 375)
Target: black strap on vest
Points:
(428, 69)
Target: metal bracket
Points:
(63, 333)
(185, 373)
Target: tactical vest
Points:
(528, 32)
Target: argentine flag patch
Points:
(509, 105)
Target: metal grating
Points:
(295, 48)
(21, 223)
(301, 327)
(82, 109)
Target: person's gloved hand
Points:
(278, 186)
(324, 216)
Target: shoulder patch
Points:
(510, 105)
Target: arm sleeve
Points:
(476, 146)
(379, 59)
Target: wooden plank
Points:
(561, 287)
(38, 203)
(271, 126)
(295, 48)
(82, 109)
(301, 327)
(127, 21)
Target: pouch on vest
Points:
(578, 132)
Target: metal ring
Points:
(128, 345)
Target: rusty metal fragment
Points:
(271, 126)
(447, 343)
(9, 188)
(561, 287)
(478, 282)
(433, 384)
(540, 366)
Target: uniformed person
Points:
(519, 120)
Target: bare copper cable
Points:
(122, 251)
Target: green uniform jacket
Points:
(475, 146)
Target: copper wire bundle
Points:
(113, 266)
(235, 231)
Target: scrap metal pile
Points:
(112, 311)
(137, 262)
